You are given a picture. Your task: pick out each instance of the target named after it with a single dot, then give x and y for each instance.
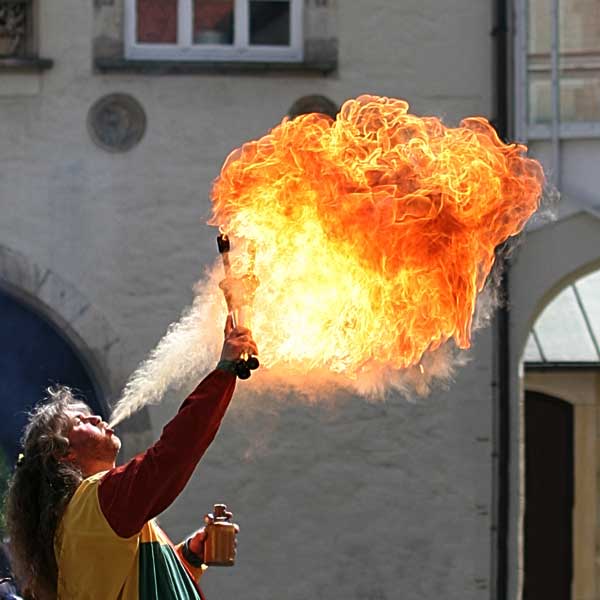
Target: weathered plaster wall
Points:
(579, 176)
(378, 501)
(370, 501)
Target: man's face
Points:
(90, 439)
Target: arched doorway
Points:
(84, 329)
(553, 258)
(549, 493)
(562, 360)
(52, 333)
(33, 356)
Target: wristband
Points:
(191, 557)
(227, 365)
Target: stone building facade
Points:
(106, 162)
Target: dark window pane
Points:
(213, 21)
(269, 23)
(157, 21)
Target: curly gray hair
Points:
(39, 491)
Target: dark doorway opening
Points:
(549, 494)
(33, 355)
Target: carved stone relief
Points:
(13, 27)
(116, 122)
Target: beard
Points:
(102, 448)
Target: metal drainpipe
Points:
(555, 64)
(501, 385)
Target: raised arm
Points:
(134, 493)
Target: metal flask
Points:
(219, 545)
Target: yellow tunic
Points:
(97, 564)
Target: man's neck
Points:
(94, 467)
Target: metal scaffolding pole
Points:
(520, 50)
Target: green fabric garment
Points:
(162, 576)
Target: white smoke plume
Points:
(191, 346)
(183, 355)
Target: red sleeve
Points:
(134, 493)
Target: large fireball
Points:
(374, 233)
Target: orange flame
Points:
(374, 233)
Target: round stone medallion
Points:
(314, 103)
(116, 122)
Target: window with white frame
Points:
(558, 68)
(214, 30)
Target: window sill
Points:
(175, 67)
(567, 130)
(30, 64)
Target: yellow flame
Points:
(373, 233)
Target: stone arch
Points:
(551, 258)
(89, 332)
